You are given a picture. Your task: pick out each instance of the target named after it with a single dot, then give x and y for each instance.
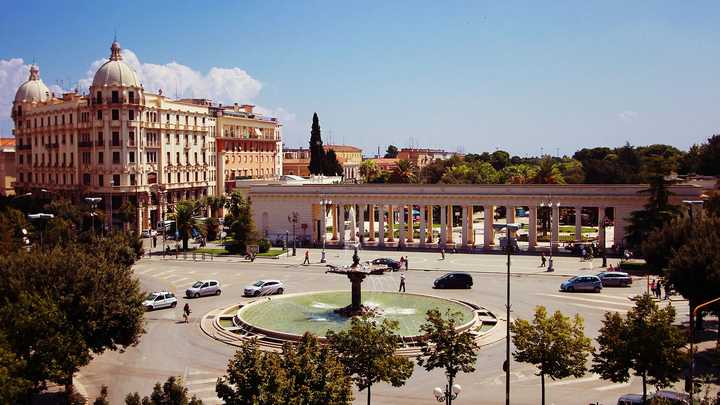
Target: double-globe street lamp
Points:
(45, 218)
(550, 203)
(323, 208)
(448, 394)
(293, 218)
(93, 202)
(510, 229)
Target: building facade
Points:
(422, 157)
(297, 160)
(7, 166)
(118, 142)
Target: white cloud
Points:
(628, 115)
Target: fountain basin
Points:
(288, 317)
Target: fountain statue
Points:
(356, 273)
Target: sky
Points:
(472, 76)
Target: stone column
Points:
(449, 224)
(371, 211)
(391, 223)
(601, 228)
(323, 224)
(488, 231)
(353, 223)
(578, 224)
(621, 215)
(423, 225)
(430, 209)
(411, 225)
(471, 225)
(381, 225)
(555, 228)
(401, 227)
(341, 223)
(443, 226)
(510, 218)
(464, 231)
(335, 209)
(532, 227)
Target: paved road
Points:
(173, 348)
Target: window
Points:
(22, 177)
(115, 97)
(101, 180)
(131, 115)
(20, 160)
(132, 180)
(177, 139)
(99, 115)
(131, 97)
(86, 179)
(116, 158)
(177, 158)
(72, 160)
(131, 157)
(71, 138)
(167, 160)
(167, 139)
(115, 115)
(131, 138)
(115, 139)
(84, 158)
(98, 97)
(187, 176)
(63, 139)
(116, 180)
(167, 117)
(71, 118)
(169, 178)
(196, 161)
(151, 157)
(100, 139)
(100, 158)
(178, 177)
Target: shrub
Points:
(264, 245)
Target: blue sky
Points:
(474, 75)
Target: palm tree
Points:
(127, 214)
(184, 217)
(215, 203)
(548, 172)
(404, 172)
(369, 170)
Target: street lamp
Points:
(93, 201)
(448, 394)
(551, 204)
(691, 204)
(509, 230)
(45, 218)
(287, 236)
(323, 206)
(293, 219)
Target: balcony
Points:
(24, 147)
(52, 145)
(85, 144)
(99, 143)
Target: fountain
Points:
(356, 273)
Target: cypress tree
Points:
(317, 153)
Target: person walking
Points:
(307, 257)
(402, 261)
(652, 287)
(542, 259)
(402, 282)
(668, 290)
(658, 289)
(442, 253)
(406, 263)
(186, 312)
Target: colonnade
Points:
(394, 224)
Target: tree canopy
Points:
(240, 221)
(317, 152)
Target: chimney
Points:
(248, 108)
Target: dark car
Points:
(394, 265)
(615, 279)
(454, 280)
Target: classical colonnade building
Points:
(366, 213)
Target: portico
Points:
(451, 216)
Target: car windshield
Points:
(259, 284)
(574, 278)
(151, 296)
(197, 284)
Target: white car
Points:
(264, 287)
(160, 299)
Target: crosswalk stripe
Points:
(600, 301)
(593, 377)
(604, 309)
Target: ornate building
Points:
(118, 142)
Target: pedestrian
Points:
(652, 287)
(186, 312)
(582, 253)
(406, 263)
(658, 289)
(402, 282)
(668, 290)
(402, 261)
(442, 253)
(307, 257)
(154, 239)
(542, 259)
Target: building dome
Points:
(115, 72)
(33, 90)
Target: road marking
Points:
(593, 377)
(203, 381)
(614, 386)
(571, 297)
(605, 309)
(164, 272)
(179, 280)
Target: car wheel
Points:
(218, 292)
(173, 305)
(571, 289)
(597, 289)
(279, 291)
(149, 308)
(197, 295)
(256, 293)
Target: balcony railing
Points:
(85, 144)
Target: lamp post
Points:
(287, 249)
(509, 230)
(448, 394)
(323, 206)
(691, 204)
(548, 202)
(45, 218)
(293, 219)
(93, 201)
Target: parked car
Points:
(660, 397)
(148, 233)
(394, 265)
(264, 287)
(203, 287)
(454, 280)
(160, 299)
(582, 283)
(615, 279)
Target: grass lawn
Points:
(273, 252)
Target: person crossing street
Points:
(307, 257)
(402, 282)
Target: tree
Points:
(645, 341)
(391, 152)
(12, 223)
(13, 385)
(655, 213)
(305, 374)
(404, 172)
(710, 157)
(241, 224)
(548, 172)
(445, 347)
(127, 213)
(331, 165)
(172, 392)
(369, 170)
(518, 174)
(556, 345)
(184, 217)
(103, 398)
(215, 204)
(367, 351)
(212, 228)
(317, 152)
(572, 171)
(499, 159)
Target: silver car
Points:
(160, 299)
(264, 287)
(203, 287)
(582, 283)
